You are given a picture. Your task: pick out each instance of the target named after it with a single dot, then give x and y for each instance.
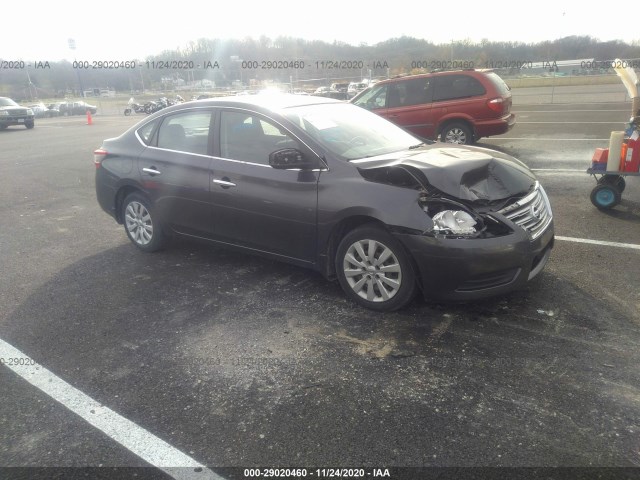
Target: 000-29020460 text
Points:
(16, 361)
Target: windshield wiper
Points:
(413, 147)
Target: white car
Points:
(39, 110)
(355, 88)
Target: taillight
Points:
(98, 156)
(496, 104)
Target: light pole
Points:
(142, 80)
(238, 60)
(72, 46)
(31, 85)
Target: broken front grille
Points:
(532, 212)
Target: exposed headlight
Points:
(454, 222)
(29, 111)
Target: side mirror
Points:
(290, 158)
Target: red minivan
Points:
(457, 106)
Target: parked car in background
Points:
(329, 186)
(340, 87)
(54, 109)
(355, 88)
(40, 110)
(76, 108)
(328, 92)
(13, 114)
(455, 106)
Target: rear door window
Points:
(145, 133)
(186, 132)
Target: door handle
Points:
(224, 183)
(151, 171)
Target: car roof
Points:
(401, 78)
(272, 101)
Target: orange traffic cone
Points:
(89, 119)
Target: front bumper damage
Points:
(473, 268)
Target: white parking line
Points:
(565, 111)
(533, 105)
(559, 170)
(632, 246)
(133, 437)
(571, 122)
(538, 139)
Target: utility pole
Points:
(72, 46)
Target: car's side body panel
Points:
(230, 194)
(262, 208)
(181, 190)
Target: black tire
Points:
(140, 223)
(621, 184)
(458, 133)
(30, 124)
(615, 180)
(127, 112)
(605, 196)
(376, 282)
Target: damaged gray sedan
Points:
(332, 187)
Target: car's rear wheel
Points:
(457, 133)
(374, 270)
(140, 223)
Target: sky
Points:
(118, 30)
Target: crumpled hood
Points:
(467, 173)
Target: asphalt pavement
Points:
(238, 361)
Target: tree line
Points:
(228, 62)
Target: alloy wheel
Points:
(372, 270)
(138, 222)
(456, 135)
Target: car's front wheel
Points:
(374, 269)
(29, 124)
(141, 224)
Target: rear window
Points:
(497, 82)
(450, 87)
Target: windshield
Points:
(7, 102)
(350, 132)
